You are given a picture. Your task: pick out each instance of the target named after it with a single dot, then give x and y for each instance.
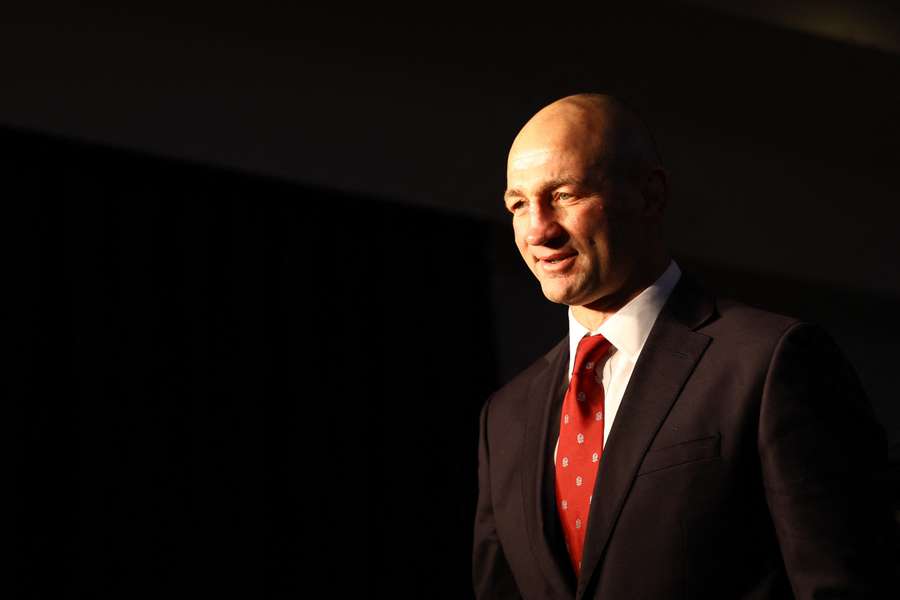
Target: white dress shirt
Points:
(627, 330)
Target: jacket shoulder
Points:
(743, 321)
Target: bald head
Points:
(600, 129)
(587, 195)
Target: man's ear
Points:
(655, 189)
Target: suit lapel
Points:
(669, 355)
(544, 400)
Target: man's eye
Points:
(564, 196)
(516, 206)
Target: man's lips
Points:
(557, 262)
(555, 258)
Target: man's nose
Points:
(542, 225)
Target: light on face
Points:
(529, 159)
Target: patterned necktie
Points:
(580, 444)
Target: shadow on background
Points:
(234, 386)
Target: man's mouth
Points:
(556, 258)
(558, 261)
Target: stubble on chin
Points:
(560, 290)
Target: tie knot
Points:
(591, 349)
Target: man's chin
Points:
(559, 296)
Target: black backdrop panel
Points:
(228, 386)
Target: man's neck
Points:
(593, 315)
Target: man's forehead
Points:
(529, 158)
(558, 146)
(551, 160)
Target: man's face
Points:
(578, 228)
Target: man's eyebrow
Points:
(549, 185)
(512, 193)
(561, 181)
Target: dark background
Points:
(259, 280)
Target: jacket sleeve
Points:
(491, 575)
(821, 452)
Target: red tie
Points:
(580, 444)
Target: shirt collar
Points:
(628, 328)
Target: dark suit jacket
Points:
(741, 464)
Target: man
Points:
(673, 445)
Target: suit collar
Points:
(690, 304)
